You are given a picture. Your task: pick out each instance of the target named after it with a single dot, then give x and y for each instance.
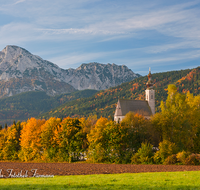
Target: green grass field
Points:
(159, 180)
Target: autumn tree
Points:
(137, 130)
(10, 142)
(50, 140)
(2, 142)
(87, 125)
(116, 143)
(97, 145)
(71, 139)
(178, 121)
(193, 115)
(31, 147)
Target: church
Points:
(144, 107)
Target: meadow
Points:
(157, 180)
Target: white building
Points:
(144, 107)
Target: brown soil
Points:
(86, 168)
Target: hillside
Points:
(103, 102)
(31, 104)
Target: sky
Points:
(161, 34)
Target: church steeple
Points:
(150, 82)
(150, 93)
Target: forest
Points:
(31, 104)
(171, 136)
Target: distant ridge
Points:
(99, 76)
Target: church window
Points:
(152, 96)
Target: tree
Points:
(71, 139)
(31, 147)
(116, 143)
(97, 145)
(144, 154)
(2, 142)
(137, 127)
(10, 142)
(166, 148)
(50, 140)
(179, 119)
(194, 119)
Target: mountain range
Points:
(21, 71)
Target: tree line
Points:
(170, 136)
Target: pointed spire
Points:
(149, 83)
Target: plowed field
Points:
(85, 168)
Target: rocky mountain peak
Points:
(100, 76)
(30, 72)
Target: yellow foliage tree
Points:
(96, 139)
(50, 138)
(9, 142)
(178, 121)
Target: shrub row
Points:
(167, 154)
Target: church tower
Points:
(150, 93)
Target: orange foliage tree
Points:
(31, 147)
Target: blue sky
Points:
(161, 34)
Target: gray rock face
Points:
(99, 76)
(20, 71)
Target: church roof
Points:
(138, 106)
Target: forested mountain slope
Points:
(103, 102)
(31, 104)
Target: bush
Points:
(166, 149)
(171, 160)
(135, 159)
(182, 156)
(193, 159)
(144, 155)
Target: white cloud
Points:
(20, 1)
